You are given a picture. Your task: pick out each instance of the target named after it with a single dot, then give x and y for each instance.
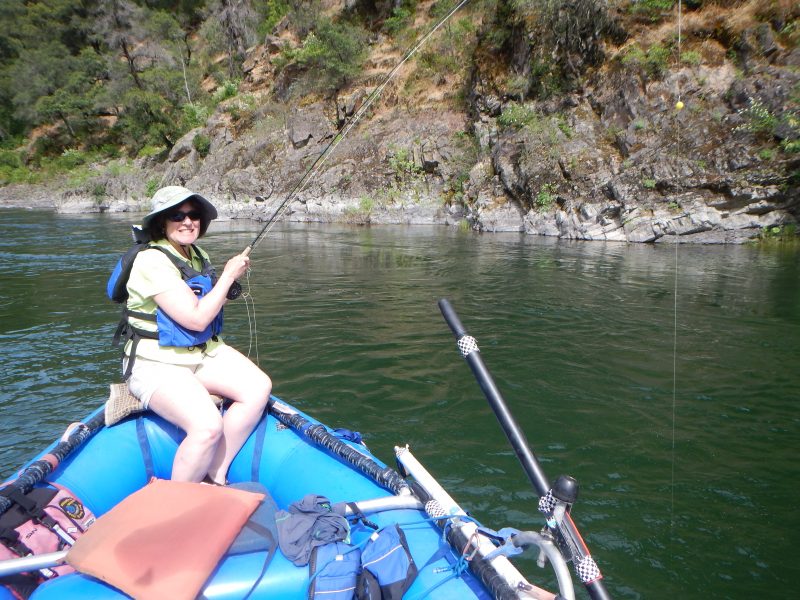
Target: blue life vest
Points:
(169, 332)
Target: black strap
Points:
(10, 539)
(360, 516)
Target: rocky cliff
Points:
(702, 148)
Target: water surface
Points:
(677, 413)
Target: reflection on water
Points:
(686, 486)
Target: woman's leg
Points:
(230, 374)
(184, 401)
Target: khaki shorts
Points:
(149, 375)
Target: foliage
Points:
(759, 120)
(402, 17)
(780, 234)
(151, 187)
(517, 116)
(193, 115)
(691, 57)
(401, 161)
(653, 61)
(201, 143)
(331, 54)
(652, 10)
(228, 89)
(546, 196)
(271, 12)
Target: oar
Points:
(564, 527)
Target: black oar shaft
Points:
(469, 350)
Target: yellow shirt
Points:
(153, 273)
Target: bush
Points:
(652, 10)
(201, 143)
(10, 159)
(653, 61)
(228, 89)
(331, 55)
(193, 116)
(517, 116)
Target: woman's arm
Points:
(195, 313)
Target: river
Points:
(664, 379)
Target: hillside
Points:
(628, 121)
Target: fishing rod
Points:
(554, 501)
(345, 129)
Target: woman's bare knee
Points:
(206, 432)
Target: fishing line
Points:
(328, 150)
(320, 161)
(678, 108)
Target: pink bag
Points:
(46, 519)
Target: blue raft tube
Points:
(291, 455)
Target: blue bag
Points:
(388, 568)
(334, 570)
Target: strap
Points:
(504, 535)
(144, 444)
(10, 539)
(270, 553)
(261, 433)
(187, 271)
(360, 515)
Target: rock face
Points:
(612, 160)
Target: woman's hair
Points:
(157, 226)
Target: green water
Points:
(685, 446)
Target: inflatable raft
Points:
(104, 467)
(291, 455)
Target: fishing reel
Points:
(234, 291)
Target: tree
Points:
(234, 22)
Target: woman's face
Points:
(182, 225)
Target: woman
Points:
(174, 355)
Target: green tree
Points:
(331, 55)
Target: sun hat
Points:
(174, 195)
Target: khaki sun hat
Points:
(174, 195)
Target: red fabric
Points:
(164, 540)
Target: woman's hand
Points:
(236, 267)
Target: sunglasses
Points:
(178, 216)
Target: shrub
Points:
(194, 115)
(653, 61)
(652, 10)
(517, 116)
(546, 196)
(151, 187)
(228, 89)
(201, 143)
(331, 55)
